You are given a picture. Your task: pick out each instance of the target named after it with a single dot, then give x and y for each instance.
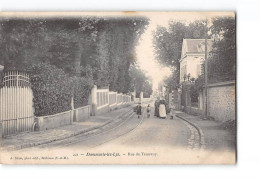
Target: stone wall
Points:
(82, 114)
(222, 101)
(54, 121)
(62, 119)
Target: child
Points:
(148, 110)
(139, 110)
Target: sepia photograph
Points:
(130, 87)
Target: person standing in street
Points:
(156, 107)
(139, 110)
(148, 110)
(162, 109)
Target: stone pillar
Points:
(141, 97)
(94, 100)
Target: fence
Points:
(119, 99)
(17, 112)
(102, 98)
(16, 103)
(112, 98)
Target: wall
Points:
(222, 101)
(144, 100)
(64, 118)
(54, 121)
(82, 114)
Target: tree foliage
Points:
(95, 47)
(140, 82)
(52, 89)
(222, 59)
(117, 54)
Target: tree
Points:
(95, 47)
(222, 59)
(23, 42)
(116, 48)
(140, 81)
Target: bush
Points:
(82, 90)
(53, 89)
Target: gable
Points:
(195, 46)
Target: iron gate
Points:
(16, 103)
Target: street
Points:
(133, 131)
(140, 133)
(125, 138)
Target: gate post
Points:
(94, 100)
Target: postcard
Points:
(118, 88)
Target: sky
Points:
(145, 51)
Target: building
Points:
(192, 57)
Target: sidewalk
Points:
(30, 139)
(215, 136)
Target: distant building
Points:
(192, 57)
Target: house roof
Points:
(195, 46)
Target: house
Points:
(192, 57)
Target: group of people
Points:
(160, 108)
(139, 110)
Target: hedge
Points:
(53, 89)
(82, 89)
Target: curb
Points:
(33, 144)
(202, 138)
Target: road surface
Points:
(133, 132)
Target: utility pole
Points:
(206, 71)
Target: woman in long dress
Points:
(162, 109)
(139, 110)
(156, 107)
